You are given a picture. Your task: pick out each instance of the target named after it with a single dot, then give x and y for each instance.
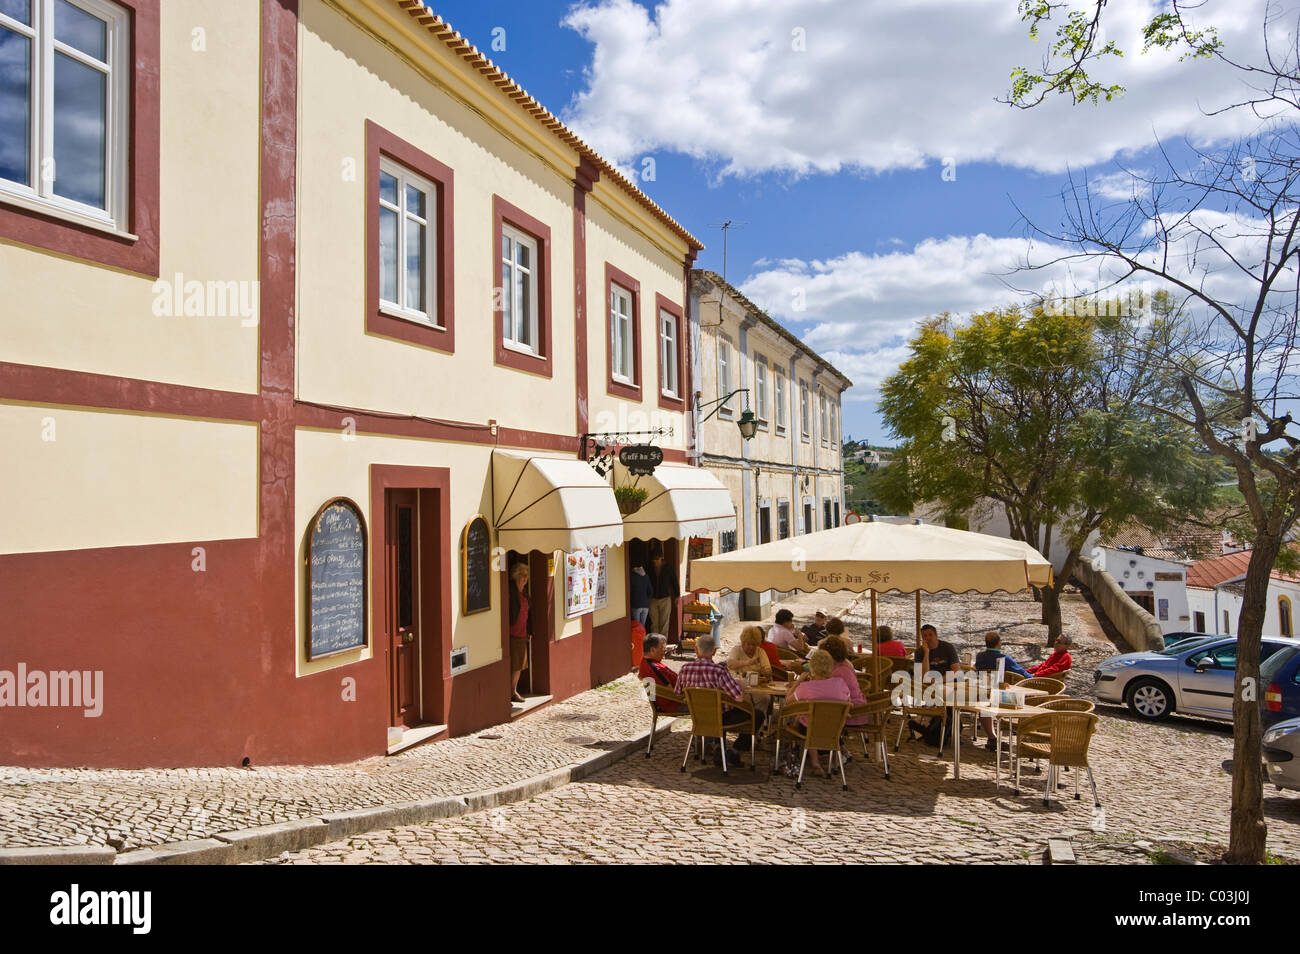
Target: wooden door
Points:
(403, 605)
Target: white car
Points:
(1281, 749)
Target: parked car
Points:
(1171, 638)
(1280, 677)
(1281, 749)
(1194, 677)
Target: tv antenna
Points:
(726, 227)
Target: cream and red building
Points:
(788, 479)
(272, 287)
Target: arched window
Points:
(1284, 616)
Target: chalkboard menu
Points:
(476, 566)
(336, 580)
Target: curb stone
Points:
(268, 841)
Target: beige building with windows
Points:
(330, 315)
(789, 478)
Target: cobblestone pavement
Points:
(128, 809)
(1157, 782)
(134, 809)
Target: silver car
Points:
(1281, 748)
(1194, 677)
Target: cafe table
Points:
(958, 699)
(775, 691)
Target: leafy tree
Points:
(1222, 237)
(1033, 411)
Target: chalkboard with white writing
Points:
(476, 566)
(336, 580)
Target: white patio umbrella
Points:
(877, 556)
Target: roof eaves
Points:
(497, 77)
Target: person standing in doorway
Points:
(518, 627)
(641, 596)
(663, 590)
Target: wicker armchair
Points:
(1068, 735)
(655, 694)
(784, 653)
(1012, 678)
(825, 726)
(1067, 704)
(877, 667)
(705, 707)
(876, 729)
(1044, 684)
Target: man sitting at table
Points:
(987, 661)
(783, 635)
(652, 666)
(1056, 663)
(814, 631)
(940, 657)
(703, 673)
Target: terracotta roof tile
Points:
(458, 44)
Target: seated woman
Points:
(819, 683)
(887, 645)
(748, 656)
(838, 647)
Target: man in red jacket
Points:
(652, 667)
(1058, 662)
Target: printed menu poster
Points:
(584, 581)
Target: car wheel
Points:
(1151, 699)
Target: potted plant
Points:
(629, 499)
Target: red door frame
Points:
(435, 575)
(403, 656)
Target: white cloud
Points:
(880, 84)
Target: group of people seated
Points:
(825, 670)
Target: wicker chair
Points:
(1053, 686)
(876, 729)
(825, 726)
(705, 707)
(877, 667)
(1067, 747)
(931, 712)
(785, 653)
(656, 694)
(1067, 704)
(1012, 678)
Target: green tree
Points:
(1034, 412)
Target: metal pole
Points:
(873, 621)
(918, 619)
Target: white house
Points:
(1214, 596)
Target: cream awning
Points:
(681, 502)
(549, 503)
(879, 556)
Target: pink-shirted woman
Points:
(817, 684)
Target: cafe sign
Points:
(641, 459)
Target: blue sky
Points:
(826, 128)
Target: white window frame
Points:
(821, 415)
(620, 338)
(760, 390)
(39, 196)
(510, 340)
(399, 309)
(725, 351)
(669, 386)
(805, 412)
(780, 397)
(834, 433)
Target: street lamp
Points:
(748, 423)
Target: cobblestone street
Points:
(1156, 782)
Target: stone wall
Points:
(1138, 627)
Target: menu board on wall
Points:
(584, 581)
(336, 580)
(475, 566)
